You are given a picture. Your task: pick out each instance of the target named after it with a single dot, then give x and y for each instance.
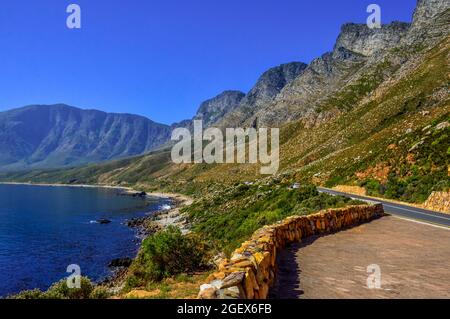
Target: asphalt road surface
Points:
(405, 211)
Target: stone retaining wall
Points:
(250, 271)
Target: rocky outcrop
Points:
(357, 190)
(430, 22)
(214, 109)
(426, 10)
(251, 270)
(359, 38)
(268, 86)
(438, 201)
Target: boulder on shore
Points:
(121, 262)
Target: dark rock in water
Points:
(141, 194)
(121, 262)
(103, 221)
(133, 194)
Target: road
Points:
(405, 211)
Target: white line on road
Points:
(420, 222)
(416, 212)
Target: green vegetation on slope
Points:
(230, 216)
(60, 290)
(166, 254)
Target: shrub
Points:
(100, 293)
(168, 253)
(373, 187)
(28, 294)
(60, 290)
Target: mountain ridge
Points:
(58, 135)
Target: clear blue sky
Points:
(161, 58)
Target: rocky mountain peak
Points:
(272, 82)
(359, 38)
(213, 109)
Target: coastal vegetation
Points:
(60, 290)
(166, 254)
(228, 217)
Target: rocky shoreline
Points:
(147, 226)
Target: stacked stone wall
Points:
(251, 270)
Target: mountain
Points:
(231, 108)
(212, 110)
(374, 113)
(42, 136)
(327, 74)
(268, 86)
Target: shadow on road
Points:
(287, 284)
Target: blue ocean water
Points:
(44, 229)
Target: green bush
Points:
(28, 294)
(60, 290)
(100, 293)
(168, 253)
(373, 187)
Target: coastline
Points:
(163, 218)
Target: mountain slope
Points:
(59, 135)
(383, 125)
(268, 86)
(212, 110)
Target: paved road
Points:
(405, 211)
(413, 260)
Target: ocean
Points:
(44, 229)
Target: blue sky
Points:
(162, 58)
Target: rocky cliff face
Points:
(272, 82)
(358, 49)
(360, 39)
(426, 10)
(214, 109)
(355, 68)
(430, 22)
(268, 86)
(60, 135)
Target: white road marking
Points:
(420, 222)
(416, 212)
(397, 207)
